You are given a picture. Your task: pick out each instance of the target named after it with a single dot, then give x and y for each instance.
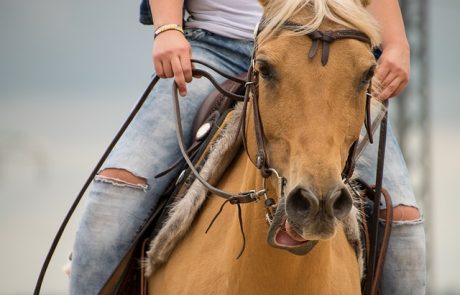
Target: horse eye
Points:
(368, 74)
(264, 69)
(366, 77)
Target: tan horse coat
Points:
(205, 263)
(311, 116)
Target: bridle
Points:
(326, 38)
(252, 90)
(374, 265)
(261, 155)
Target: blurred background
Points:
(70, 71)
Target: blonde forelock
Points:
(349, 13)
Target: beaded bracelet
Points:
(168, 27)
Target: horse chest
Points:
(206, 263)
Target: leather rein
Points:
(261, 157)
(252, 91)
(374, 265)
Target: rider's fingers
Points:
(389, 90)
(179, 75)
(167, 69)
(403, 81)
(186, 66)
(381, 72)
(159, 68)
(387, 80)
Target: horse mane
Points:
(348, 13)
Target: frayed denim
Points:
(405, 264)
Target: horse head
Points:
(311, 90)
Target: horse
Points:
(312, 67)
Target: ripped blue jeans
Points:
(116, 209)
(405, 264)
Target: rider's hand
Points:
(393, 70)
(171, 58)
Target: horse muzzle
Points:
(304, 206)
(303, 218)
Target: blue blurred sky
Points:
(70, 72)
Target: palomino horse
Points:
(311, 99)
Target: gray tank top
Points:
(230, 18)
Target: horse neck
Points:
(208, 262)
(328, 257)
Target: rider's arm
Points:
(171, 51)
(393, 68)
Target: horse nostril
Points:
(301, 201)
(339, 203)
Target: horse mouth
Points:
(282, 235)
(287, 237)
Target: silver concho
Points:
(203, 131)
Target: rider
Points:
(220, 32)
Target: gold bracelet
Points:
(168, 27)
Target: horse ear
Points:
(365, 3)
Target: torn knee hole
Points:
(403, 213)
(121, 177)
